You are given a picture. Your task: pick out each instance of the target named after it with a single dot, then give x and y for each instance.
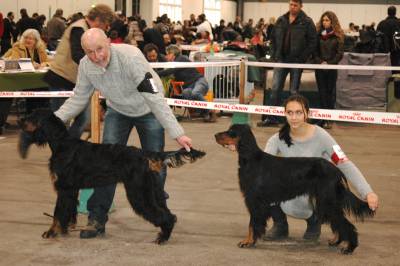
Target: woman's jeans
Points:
(117, 128)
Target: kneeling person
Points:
(195, 85)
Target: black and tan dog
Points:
(76, 164)
(266, 179)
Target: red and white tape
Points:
(334, 115)
(35, 94)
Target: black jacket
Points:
(26, 23)
(302, 41)
(330, 50)
(187, 75)
(388, 26)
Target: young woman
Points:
(329, 51)
(296, 138)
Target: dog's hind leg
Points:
(345, 232)
(144, 202)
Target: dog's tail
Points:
(178, 158)
(353, 205)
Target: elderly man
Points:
(134, 95)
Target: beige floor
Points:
(211, 215)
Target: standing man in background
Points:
(64, 68)
(9, 33)
(55, 29)
(293, 40)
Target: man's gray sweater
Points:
(118, 83)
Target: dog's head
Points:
(233, 136)
(38, 128)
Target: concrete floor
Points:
(205, 196)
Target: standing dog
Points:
(266, 179)
(76, 164)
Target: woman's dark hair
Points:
(150, 47)
(284, 132)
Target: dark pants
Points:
(5, 45)
(5, 104)
(80, 122)
(395, 60)
(326, 82)
(278, 82)
(117, 128)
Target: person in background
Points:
(9, 34)
(330, 49)
(195, 85)
(204, 26)
(31, 46)
(1, 26)
(63, 71)
(152, 35)
(25, 22)
(152, 54)
(298, 138)
(166, 39)
(55, 29)
(389, 26)
(218, 31)
(293, 40)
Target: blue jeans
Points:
(278, 82)
(80, 122)
(117, 128)
(196, 92)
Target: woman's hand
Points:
(372, 200)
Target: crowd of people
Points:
(134, 91)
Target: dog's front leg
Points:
(54, 229)
(63, 212)
(249, 241)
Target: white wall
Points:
(48, 7)
(357, 13)
(191, 7)
(228, 11)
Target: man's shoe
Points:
(278, 231)
(313, 230)
(92, 230)
(267, 122)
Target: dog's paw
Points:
(246, 244)
(49, 234)
(160, 239)
(346, 251)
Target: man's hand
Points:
(185, 142)
(372, 200)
